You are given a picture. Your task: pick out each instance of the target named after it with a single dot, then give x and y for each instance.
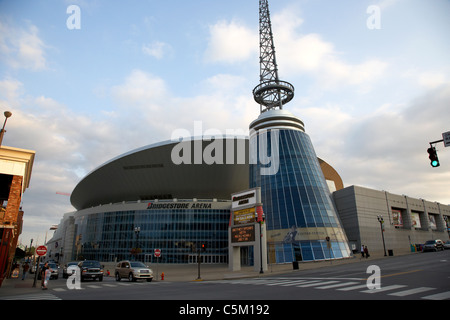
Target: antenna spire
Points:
(271, 93)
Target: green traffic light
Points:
(435, 163)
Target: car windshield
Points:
(138, 265)
(70, 264)
(430, 242)
(91, 264)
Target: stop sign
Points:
(157, 253)
(41, 250)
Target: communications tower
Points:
(271, 93)
(302, 223)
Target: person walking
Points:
(45, 271)
(366, 252)
(362, 252)
(25, 268)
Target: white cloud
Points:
(142, 90)
(22, 47)
(231, 42)
(157, 49)
(297, 53)
(386, 150)
(311, 54)
(432, 80)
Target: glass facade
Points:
(300, 214)
(177, 230)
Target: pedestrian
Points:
(25, 268)
(45, 271)
(362, 251)
(366, 252)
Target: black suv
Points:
(433, 245)
(90, 269)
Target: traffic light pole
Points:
(433, 154)
(431, 143)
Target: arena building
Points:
(142, 200)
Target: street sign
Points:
(157, 253)
(446, 137)
(41, 250)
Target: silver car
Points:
(133, 270)
(447, 244)
(70, 269)
(433, 245)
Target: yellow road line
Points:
(399, 273)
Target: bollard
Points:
(162, 276)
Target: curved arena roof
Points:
(149, 173)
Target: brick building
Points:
(15, 173)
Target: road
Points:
(424, 276)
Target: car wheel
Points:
(130, 277)
(149, 280)
(117, 276)
(100, 278)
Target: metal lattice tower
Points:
(271, 93)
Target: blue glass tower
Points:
(302, 223)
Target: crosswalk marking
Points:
(438, 296)
(342, 284)
(308, 282)
(411, 291)
(59, 289)
(279, 283)
(293, 283)
(32, 296)
(315, 284)
(382, 289)
(361, 286)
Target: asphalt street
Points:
(423, 276)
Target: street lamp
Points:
(2, 132)
(136, 231)
(381, 221)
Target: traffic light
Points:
(433, 157)
(203, 247)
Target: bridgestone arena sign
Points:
(183, 205)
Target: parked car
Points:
(447, 244)
(91, 269)
(69, 269)
(133, 270)
(54, 270)
(433, 245)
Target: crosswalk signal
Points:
(433, 157)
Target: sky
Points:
(87, 81)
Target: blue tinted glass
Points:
(297, 195)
